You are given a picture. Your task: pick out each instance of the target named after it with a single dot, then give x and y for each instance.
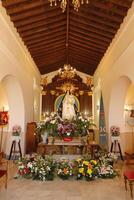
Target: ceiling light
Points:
(67, 72)
(63, 3)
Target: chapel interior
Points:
(67, 60)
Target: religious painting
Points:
(3, 117)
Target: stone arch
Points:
(116, 106)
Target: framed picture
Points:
(3, 118)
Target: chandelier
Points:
(67, 72)
(63, 3)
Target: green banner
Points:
(102, 126)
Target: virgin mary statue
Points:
(68, 110)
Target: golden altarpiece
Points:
(53, 94)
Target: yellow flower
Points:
(94, 162)
(89, 171)
(81, 170)
(85, 163)
(78, 160)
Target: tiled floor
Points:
(22, 189)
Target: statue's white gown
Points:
(68, 111)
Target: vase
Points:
(67, 139)
(45, 137)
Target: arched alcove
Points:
(117, 104)
(15, 100)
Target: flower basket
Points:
(115, 131)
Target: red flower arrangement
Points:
(66, 130)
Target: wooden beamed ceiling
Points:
(79, 38)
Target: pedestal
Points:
(13, 151)
(116, 143)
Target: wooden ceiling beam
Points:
(89, 23)
(34, 12)
(44, 57)
(74, 28)
(72, 38)
(50, 60)
(57, 65)
(12, 2)
(37, 18)
(94, 18)
(83, 54)
(46, 23)
(44, 34)
(78, 58)
(83, 59)
(47, 26)
(41, 29)
(95, 41)
(85, 68)
(83, 49)
(42, 50)
(79, 51)
(92, 29)
(50, 68)
(53, 46)
(50, 41)
(87, 47)
(98, 4)
(121, 3)
(48, 51)
(47, 38)
(25, 6)
(80, 65)
(102, 14)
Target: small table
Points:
(129, 176)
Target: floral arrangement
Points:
(87, 169)
(49, 124)
(16, 130)
(56, 126)
(115, 130)
(106, 158)
(106, 161)
(40, 168)
(66, 129)
(106, 171)
(64, 168)
(36, 167)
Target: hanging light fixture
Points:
(63, 3)
(67, 71)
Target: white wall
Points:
(17, 64)
(117, 63)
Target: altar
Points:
(78, 146)
(59, 147)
